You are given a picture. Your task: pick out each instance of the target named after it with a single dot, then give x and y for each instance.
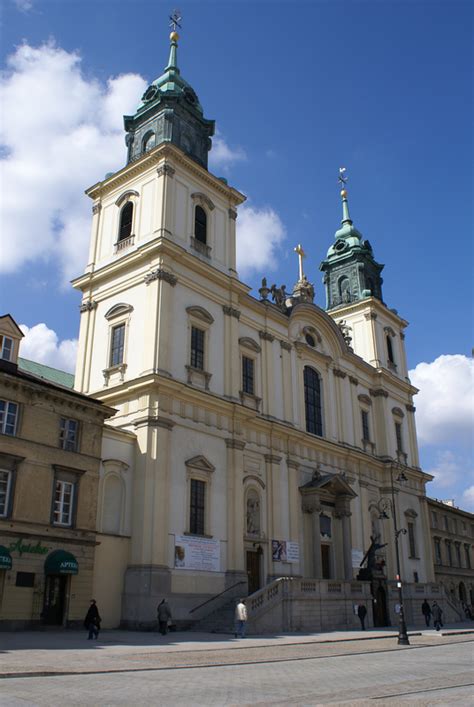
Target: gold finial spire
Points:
(301, 255)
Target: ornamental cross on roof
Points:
(175, 18)
(342, 179)
(301, 254)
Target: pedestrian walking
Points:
(426, 611)
(437, 613)
(240, 619)
(362, 613)
(92, 621)
(163, 613)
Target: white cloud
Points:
(468, 499)
(42, 345)
(222, 156)
(445, 403)
(64, 132)
(447, 469)
(23, 5)
(259, 235)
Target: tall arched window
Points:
(390, 350)
(312, 401)
(200, 224)
(126, 218)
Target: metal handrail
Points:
(216, 596)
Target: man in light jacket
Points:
(240, 618)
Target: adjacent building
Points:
(50, 451)
(452, 537)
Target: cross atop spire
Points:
(175, 18)
(342, 179)
(301, 255)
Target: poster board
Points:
(193, 553)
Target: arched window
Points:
(390, 350)
(148, 142)
(312, 401)
(200, 224)
(126, 218)
(344, 289)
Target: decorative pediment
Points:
(249, 343)
(398, 412)
(203, 199)
(411, 513)
(336, 484)
(364, 399)
(118, 310)
(126, 196)
(389, 331)
(200, 313)
(200, 463)
(9, 327)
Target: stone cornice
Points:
(272, 458)
(154, 157)
(87, 306)
(232, 443)
(161, 274)
(231, 312)
(150, 421)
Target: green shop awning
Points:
(61, 562)
(5, 559)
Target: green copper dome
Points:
(350, 271)
(169, 111)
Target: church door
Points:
(253, 570)
(326, 561)
(380, 607)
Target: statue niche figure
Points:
(253, 514)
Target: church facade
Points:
(255, 437)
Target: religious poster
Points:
(285, 551)
(357, 557)
(191, 553)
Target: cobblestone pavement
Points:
(432, 670)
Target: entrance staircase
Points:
(220, 620)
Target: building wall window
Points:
(126, 220)
(248, 375)
(411, 539)
(200, 224)
(6, 347)
(8, 417)
(467, 554)
(64, 492)
(390, 349)
(434, 519)
(312, 401)
(365, 425)
(5, 492)
(117, 345)
(68, 434)
(457, 547)
(437, 547)
(399, 436)
(148, 142)
(197, 348)
(446, 523)
(449, 552)
(197, 507)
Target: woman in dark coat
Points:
(362, 613)
(92, 620)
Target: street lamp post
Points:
(402, 627)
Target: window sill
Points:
(198, 535)
(62, 525)
(112, 371)
(201, 248)
(198, 376)
(250, 400)
(124, 244)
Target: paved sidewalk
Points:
(69, 652)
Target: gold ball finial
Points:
(174, 36)
(343, 193)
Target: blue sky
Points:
(297, 89)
